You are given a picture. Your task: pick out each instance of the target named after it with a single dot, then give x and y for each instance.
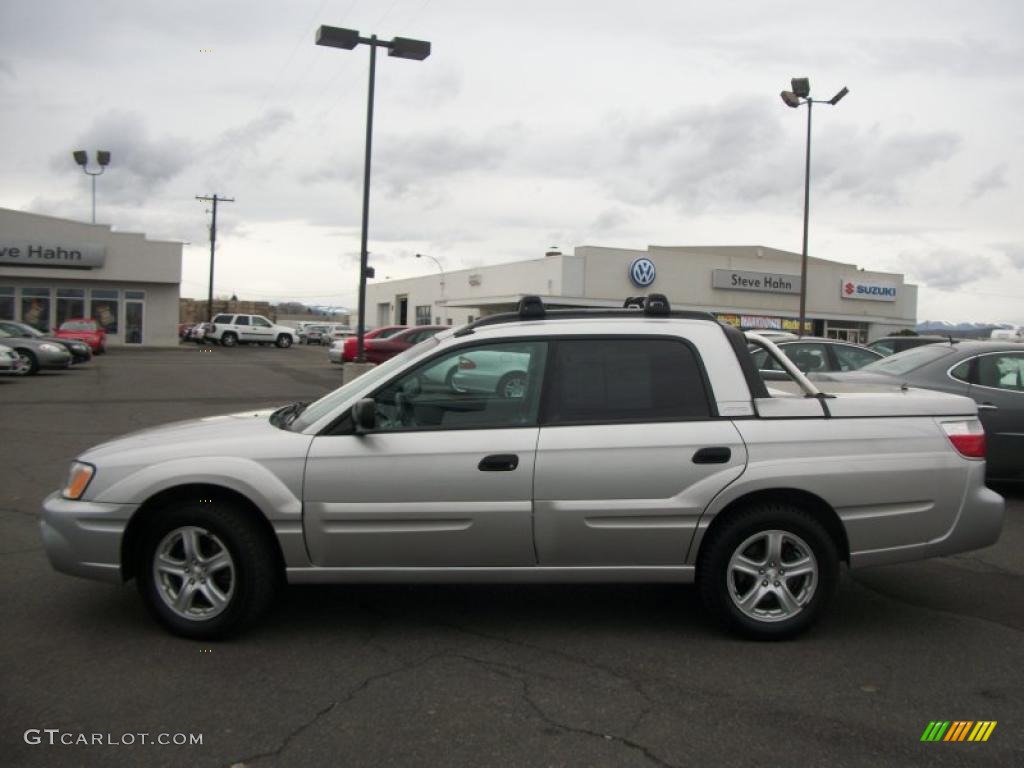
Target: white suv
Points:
(229, 330)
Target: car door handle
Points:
(499, 462)
(987, 407)
(712, 456)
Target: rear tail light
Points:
(968, 437)
(465, 364)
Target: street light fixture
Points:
(400, 48)
(801, 94)
(441, 270)
(102, 160)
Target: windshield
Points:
(77, 326)
(909, 360)
(317, 410)
(21, 328)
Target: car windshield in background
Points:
(909, 360)
(332, 400)
(21, 328)
(77, 327)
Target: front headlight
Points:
(78, 480)
(51, 348)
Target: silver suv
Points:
(570, 446)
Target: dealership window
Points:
(105, 309)
(626, 380)
(423, 315)
(6, 303)
(70, 303)
(35, 308)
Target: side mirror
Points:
(364, 414)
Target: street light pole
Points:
(801, 94)
(399, 47)
(441, 270)
(102, 160)
(213, 246)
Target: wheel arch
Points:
(820, 509)
(152, 507)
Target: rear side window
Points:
(242, 320)
(625, 380)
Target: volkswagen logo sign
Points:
(642, 272)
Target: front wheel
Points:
(27, 364)
(768, 572)
(205, 570)
(284, 341)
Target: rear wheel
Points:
(229, 339)
(512, 386)
(768, 572)
(206, 570)
(284, 341)
(28, 365)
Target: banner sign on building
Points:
(759, 321)
(870, 290)
(23, 253)
(766, 282)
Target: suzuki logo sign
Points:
(872, 291)
(642, 272)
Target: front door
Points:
(445, 479)
(261, 329)
(630, 454)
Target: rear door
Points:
(998, 388)
(631, 452)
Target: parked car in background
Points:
(36, 355)
(336, 332)
(812, 354)
(989, 372)
(490, 372)
(313, 334)
(80, 351)
(9, 361)
(231, 330)
(198, 332)
(378, 350)
(348, 345)
(183, 329)
(1007, 334)
(890, 345)
(84, 329)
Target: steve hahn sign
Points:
(767, 282)
(35, 254)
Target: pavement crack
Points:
(521, 679)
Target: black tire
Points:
(255, 577)
(284, 341)
(29, 361)
(776, 621)
(229, 339)
(509, 382)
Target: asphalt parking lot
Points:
(470, 675)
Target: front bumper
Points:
(54, 360)
(83, 538)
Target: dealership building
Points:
(752, 287)
(53, 269)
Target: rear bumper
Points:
(83, 538)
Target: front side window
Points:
(1005, 371)
(852, 358)
(626, 380)
(488, 386)
(884, 347)
(104, 309)
(260, 322)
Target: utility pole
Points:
(213, 244)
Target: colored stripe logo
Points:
(958, 730)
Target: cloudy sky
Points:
(533, 123)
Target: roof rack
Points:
(532, 308)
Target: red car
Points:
(84, 329)
(379, 350)
(348, 351)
